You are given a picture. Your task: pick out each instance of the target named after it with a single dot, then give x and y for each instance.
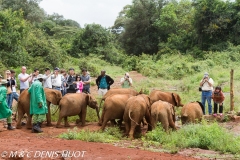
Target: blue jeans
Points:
(15, 96)
(206, 95)
(9, 100)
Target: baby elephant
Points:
(114, 107)
(192, 112)
(163, 112)
(76, 104)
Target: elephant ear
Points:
(51, 96)
(176, 99)
(172, 109)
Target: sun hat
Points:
(40, 76)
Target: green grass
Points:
(112, 134)
(204, 135)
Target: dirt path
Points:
(32, 145)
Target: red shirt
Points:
(218, 97)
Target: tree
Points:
(212, 22)
(139, 34)
(13, 33)
(92, 39)
(30, 8)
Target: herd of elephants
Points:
(123, 104)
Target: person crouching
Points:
(218, 98)
(5, 112)
(38, 104)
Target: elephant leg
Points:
(105, 120)
(153, 122)
(48, 115)
(19, 116)
(66, 124)
(102, 117)
(29, 121)
(148, 119)
(59, 120)
(132, 129)
(83, 117)
(172, 124)
(127, 128)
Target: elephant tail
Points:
(129, 114)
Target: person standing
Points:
(34, 75)
(86, 79)
(56, 79)
(70, 82)
(5, 111)
(10, 83)
(47, 79)
(104, 82)
(24, 79)
(38, 104)
(15, 95)
(126, 81)
(79, 84)
(207, 87)
(218, 98)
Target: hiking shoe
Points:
(215, 115)
(220, 114)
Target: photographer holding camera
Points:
(207, 87)
(126, 81)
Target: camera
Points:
(127, 76)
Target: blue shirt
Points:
(103, 83)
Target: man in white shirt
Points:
(207, 88)
(47, 79)
(126, 81)
(24, 79)
(56, 79)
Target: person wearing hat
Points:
(5, 112)
(104, 82)
(207, 87)
(126, 81)
(71, 86)
(38, 104)
(56, 79)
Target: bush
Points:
(205, 136)
(112, 134)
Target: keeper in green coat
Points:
(38, 104)
(5, 112)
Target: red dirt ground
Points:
(30, 144)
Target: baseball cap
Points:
(71, 69)
(56, 69)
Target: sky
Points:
(102, 12)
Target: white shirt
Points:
(206, 87)
(23, 85)
(57, 81)
(47, 81)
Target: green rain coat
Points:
(5, 112)
(37, 95)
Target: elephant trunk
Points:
(97, 110)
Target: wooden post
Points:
(231, 92)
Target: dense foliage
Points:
(145, 34)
